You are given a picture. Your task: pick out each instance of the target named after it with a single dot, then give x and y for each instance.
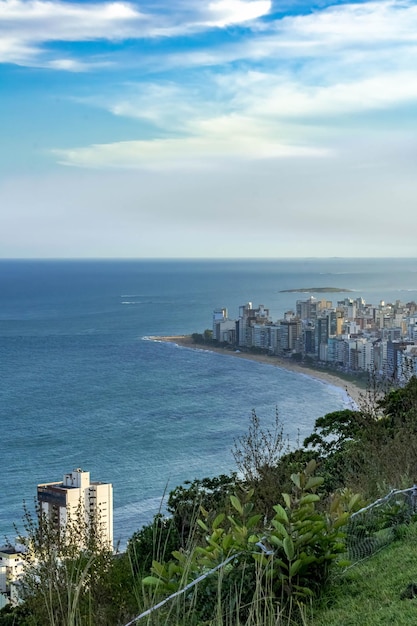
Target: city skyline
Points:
(233, 128)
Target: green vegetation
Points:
(268, 545)
(376, 591)
(203, 338)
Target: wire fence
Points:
(367, 531)
(379, 523)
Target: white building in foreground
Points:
(62, 500)
(11, 568)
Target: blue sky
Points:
(224, 128)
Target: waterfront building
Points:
(306, 310)
(64, 500)
(261, 336)
(355, 335)
(289, 340)
(248, 316)
(224, 329)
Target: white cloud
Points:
(26, 25)
(226, 12)
(43, 20)
(214, 140)
(286, 99)
(365, 23)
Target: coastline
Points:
(354, 392)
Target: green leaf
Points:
(202, 525)
(278, 542)
(314, 481)
(342, 521)
(303, 591)
(309, 498)
(236, 504)
(288, 548)
(227, 542)
(253, 521)
(151, 581)
(296, 479)
(311, 466)
(280, 528)
(159, 569)
(287, 500)
(281, 513)
(218, 520)
(355, 502)
(295, 567)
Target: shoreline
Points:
(354, 392)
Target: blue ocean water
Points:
(80, 386)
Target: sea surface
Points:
(81, 384)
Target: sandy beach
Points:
(354, 392)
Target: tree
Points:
(185, 501)
(400, 405)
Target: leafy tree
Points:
(400, 405)
(208, 335)
(334, 430)
(185, 501)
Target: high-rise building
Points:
(64, 500)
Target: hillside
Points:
(370, 593)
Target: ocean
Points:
(83, 386)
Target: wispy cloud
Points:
(26, 26)
(266, 92)
(213, 141)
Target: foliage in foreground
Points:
(287, 560)
(282, 553)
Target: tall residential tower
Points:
(62, 500)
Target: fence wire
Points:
(367, 531)
(379, 523)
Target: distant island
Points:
(317, 290)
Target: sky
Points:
(215, 128)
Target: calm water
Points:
(81, 387)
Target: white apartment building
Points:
(11, 568)
(61, 501)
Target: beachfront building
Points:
(289, 336)
(63, 500)
(407, 363)
(353, 336)
(248, 317)
(224, 329)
